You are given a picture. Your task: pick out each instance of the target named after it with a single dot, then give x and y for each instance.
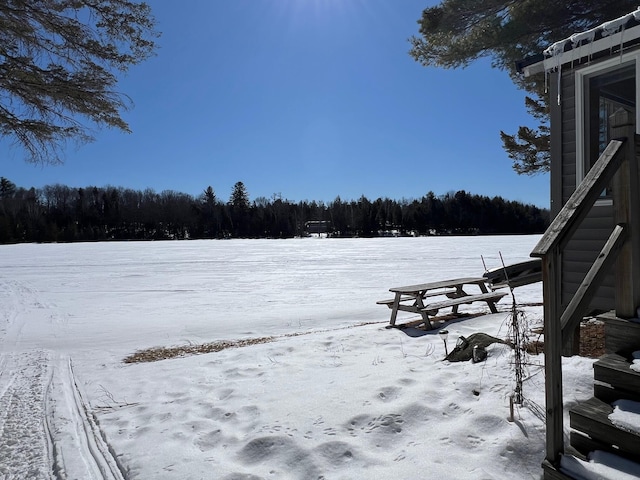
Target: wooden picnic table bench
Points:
(412, 298)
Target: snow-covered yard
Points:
(335, 395)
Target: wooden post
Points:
(626, 207)
(551, 282)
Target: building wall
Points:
(589, 239)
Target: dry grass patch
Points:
(591, 340)
(163, 353)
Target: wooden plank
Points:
(584, 444)
(592, 418)
(482, 297)
(608, 394)
(408, 298)
(579, 304)
(440, 284)
(390, 301)
(551, 285)
(626, 199)
(621, 336)
(519, 281)
(583, 198)
(394, 309)
(615, 370)
(552, 473)
(513, 270)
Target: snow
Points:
(555, 56)
(606, 29)
(626, 415)
(635, 362)
(335, 395)
(601, 466)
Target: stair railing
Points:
(615, 166)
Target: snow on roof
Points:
(606, 29)
(584, 44)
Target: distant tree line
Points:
(58, 213)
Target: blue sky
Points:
(307, 99)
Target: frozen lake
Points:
(328, 398)
(194, 291)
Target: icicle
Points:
(559, 82)
(546, 81)
(555, 51)
(581, 39)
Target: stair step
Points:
(584, 445)
(552, 473)
(592, 418)
(600, 465)
(622, 336)
(609, 395)
(615, 370)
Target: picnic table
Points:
(428, 298)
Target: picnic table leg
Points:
(459, 292)
(490, 303)
(419, 304)
(394, 309)
(492, 306)
(425, 319)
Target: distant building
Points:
(317, 227)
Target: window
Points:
(605, 94)
(601, 90)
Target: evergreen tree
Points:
(457, 32)
(61, 213)
(209, 212)
(209, 196)
(239, 197)
(57, 59)
(239, 210)
(7, 188)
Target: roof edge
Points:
(564, 52)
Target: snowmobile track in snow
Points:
(47, 430)
(88, 442)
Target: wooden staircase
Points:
(619, 166)
(614, 380)
(592, 429)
